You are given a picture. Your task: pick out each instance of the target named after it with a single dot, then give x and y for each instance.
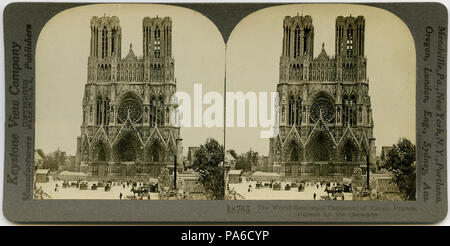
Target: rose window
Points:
(322, 107)
(132, 108)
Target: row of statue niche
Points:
(136, 74)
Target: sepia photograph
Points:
(341, 122)
(107, 120)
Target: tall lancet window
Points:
(106, 111)
(157, 44)
(298, 113)
(306, 41)
(167, 116)
(99, 110)
(113, 41)
(360, 114)
(152, 116)
(104, 42)
(349, 42)
(291, 110)
(160, 110)
(354, 111)
(349, 111)
(297, 42)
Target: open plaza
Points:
(248, 191)
(54, 189)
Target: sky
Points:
(252, 58)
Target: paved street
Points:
(270, 194)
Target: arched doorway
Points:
(128, 148)
(100, 152)
(100, 155)
(154, 153)
(320, 148)
(294, 153)
(348, 152)
(349, 155)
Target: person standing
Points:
(120, 196)
(314, 196)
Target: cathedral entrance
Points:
(348, 152)
(100, 152)
(294, 153)
(320, 148)
(128, 149)
(155, 153)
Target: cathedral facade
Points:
(127, 128)
(325, 115)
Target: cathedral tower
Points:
(157, 47)
(298, 47)
(351, 64)
(325, 126)
(126, 128)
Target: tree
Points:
(50, 163)
(54, 160)
(247, 160)
(208, 163)
(400, 162)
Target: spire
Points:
(130, 54)
(323, 53)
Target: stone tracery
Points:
(125, 112)
(324, 99)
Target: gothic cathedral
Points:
(126, 128)
(325, 116)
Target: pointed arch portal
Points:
(348, 152)
(100, 152)
(294, 152)
(320, 148)
(155, 152)
(128, 148)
